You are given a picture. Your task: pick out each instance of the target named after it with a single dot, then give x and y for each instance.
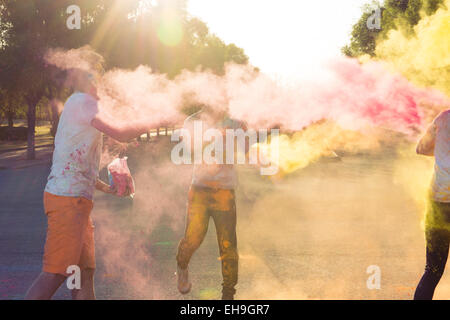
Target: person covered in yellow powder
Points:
(70, 188)
(211, 195)
(436, 142)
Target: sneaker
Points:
(184, 286)
(228, 294)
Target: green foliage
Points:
(127, 34)
(395, 13)
(431, 6)
(363, 40)
(132, 43)
(11, 107)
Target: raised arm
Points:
(115, 127)
(119, 130)
(426, 143)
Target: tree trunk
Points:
(31, 119)
(10, 119)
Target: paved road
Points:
(311, 235)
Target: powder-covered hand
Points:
(120, 178)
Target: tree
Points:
(11, 106)
(395, 13)
(126, 33)
(363, 40)
(29, 29)
(163, 36)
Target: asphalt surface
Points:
(310, 235)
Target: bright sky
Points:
(283, 37)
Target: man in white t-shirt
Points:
(436, 142)
(69, 191)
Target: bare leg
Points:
(45, 286)
(87, 291)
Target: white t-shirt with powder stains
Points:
(440, 187)
(78, 147)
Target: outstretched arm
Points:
(426, 144)
(118, 130)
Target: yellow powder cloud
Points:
(425, 57)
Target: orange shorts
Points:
(70, 234)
